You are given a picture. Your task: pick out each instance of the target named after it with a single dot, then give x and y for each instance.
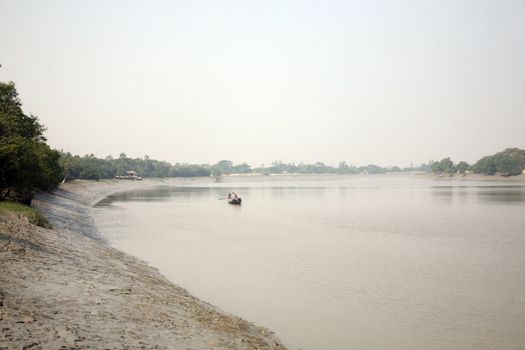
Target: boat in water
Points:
(236, 201)
(233, 198)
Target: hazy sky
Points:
(385, 82)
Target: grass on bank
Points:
(31, 214)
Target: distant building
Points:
(130, 175)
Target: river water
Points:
(356, 262)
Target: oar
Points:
(222, 198)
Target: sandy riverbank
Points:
(61, 288)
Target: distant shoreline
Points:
(63, 287)
(461, 177)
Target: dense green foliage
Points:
(509, 162)
(27, 164)
(447, 166)
(444, 166)
(462, 167)
(93, 168)
(32, 215)
(189, 170)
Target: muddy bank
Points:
(62, 288)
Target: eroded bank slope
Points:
(61, 288)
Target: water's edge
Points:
(68, 209)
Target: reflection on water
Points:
(337, 263)
(502, 196)
(483, 194)
(487, 194)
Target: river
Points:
(341, 262)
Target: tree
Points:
(241, 169)
(447, 166)
(343, 167)
(462, 167)
(396, 169)
(27, 163)
(510, 161)
(372, 169)
(443, 166)
(508, 164)
(222, 167)
(486, 165)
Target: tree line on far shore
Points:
(509, 162)
(279, 167)
(90, 167)
(28, 164)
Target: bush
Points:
(32, 215)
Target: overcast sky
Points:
(385, 82)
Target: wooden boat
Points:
(236, 201)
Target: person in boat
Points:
(229, 196)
